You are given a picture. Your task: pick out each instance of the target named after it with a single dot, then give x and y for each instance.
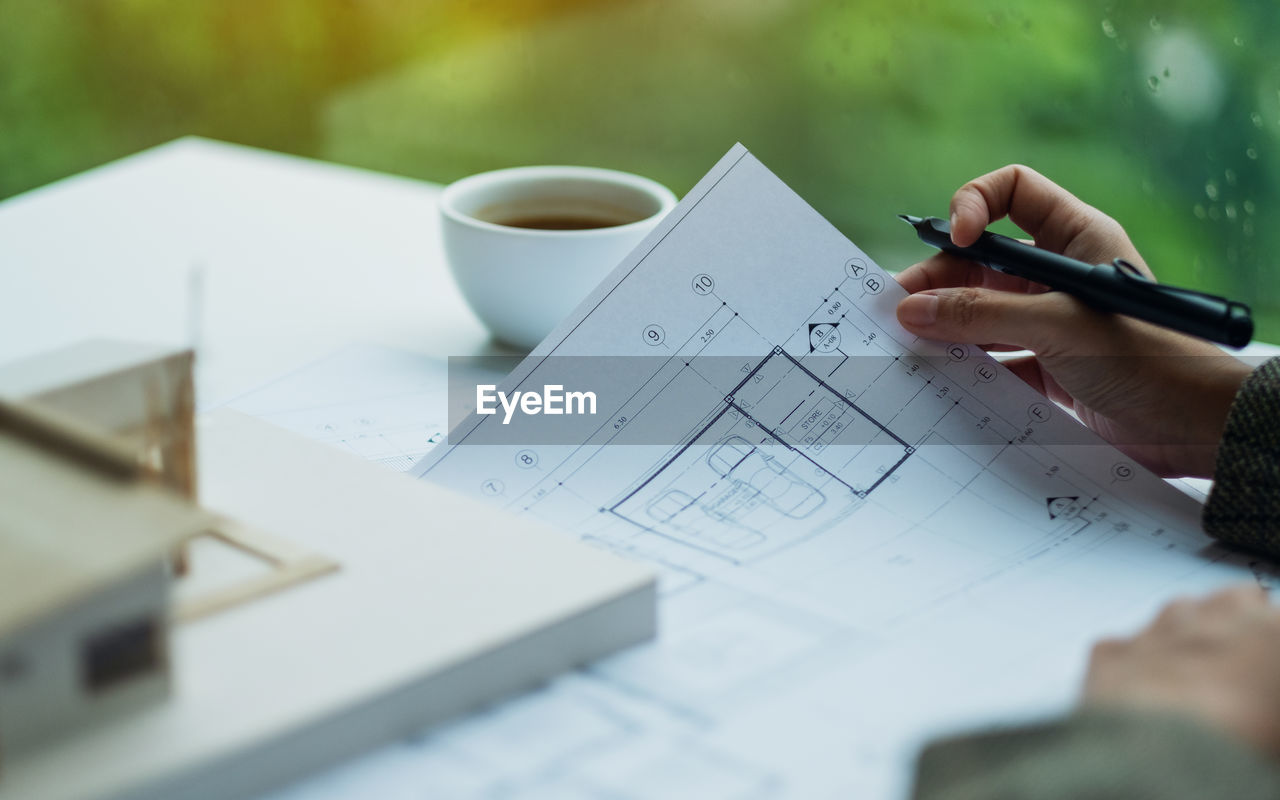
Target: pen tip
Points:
(910, 220)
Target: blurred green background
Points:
(1164, 114)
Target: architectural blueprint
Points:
(383, 405)
(865, 539)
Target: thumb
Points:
(977, 316)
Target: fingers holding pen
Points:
(1040, 322)
(945, 270)
(956, 300)
(1055, 218)
(1037, 205)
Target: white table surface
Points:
(298, 257)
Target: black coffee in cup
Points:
(561, 222)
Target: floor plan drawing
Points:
(762, 462)
(863, 539)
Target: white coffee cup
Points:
(521, 281)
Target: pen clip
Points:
(1134, 275)
(1127, 266)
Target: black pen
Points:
(1117, 287)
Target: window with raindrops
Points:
(1164, 114)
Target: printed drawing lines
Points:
(783, 446)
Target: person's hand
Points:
(1216, 659)
(1161, 397)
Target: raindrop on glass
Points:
(1257, 119)
(1230, 175)
(1211, 189)
(1231, 210)
(1252, 153)
(1249, 207)
(1155, 23)
(1109, 29)
(1238, 41)
(1199, 211)
(1153, 83)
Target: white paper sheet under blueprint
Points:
(384, 405)
(855, 558)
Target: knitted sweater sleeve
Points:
(1244, 505)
